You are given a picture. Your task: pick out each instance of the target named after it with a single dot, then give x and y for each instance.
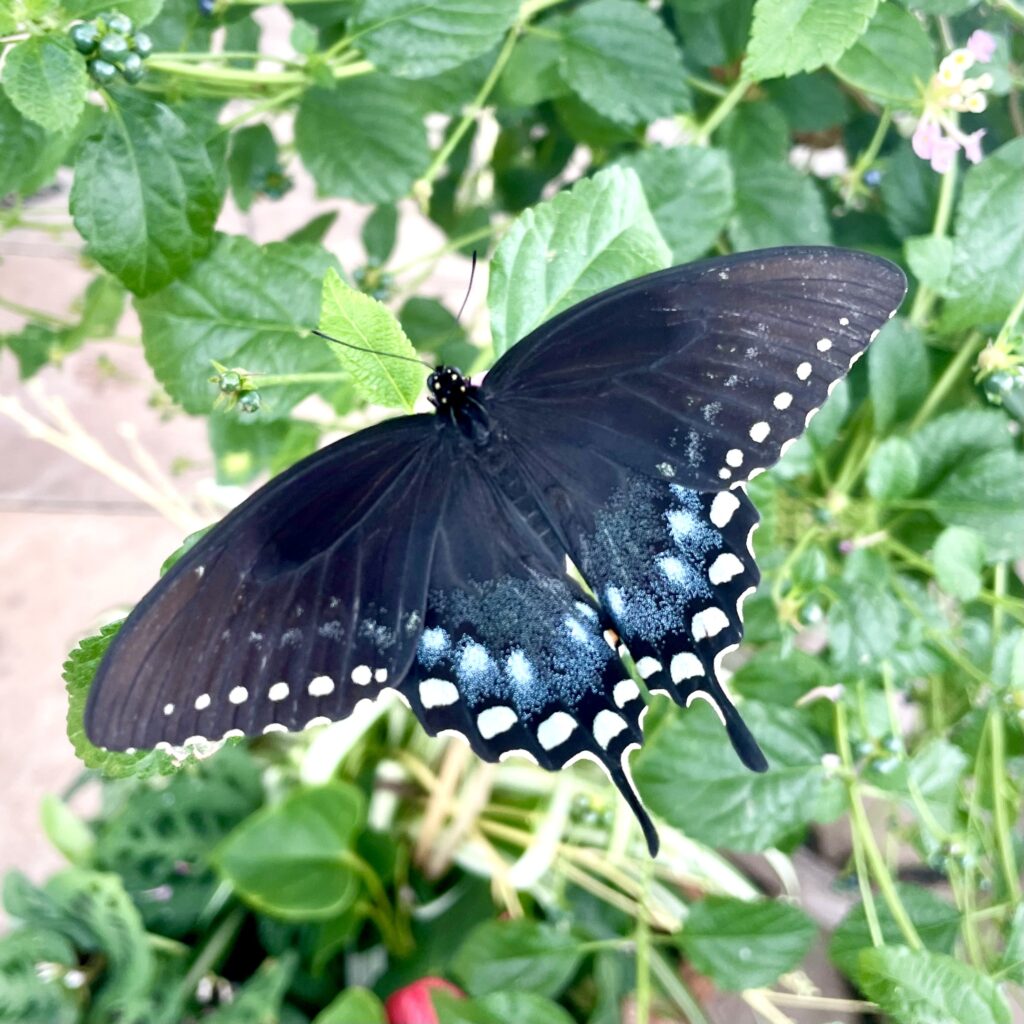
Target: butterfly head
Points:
(447, 389)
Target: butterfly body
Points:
(445, 555)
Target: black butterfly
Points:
(431, 553)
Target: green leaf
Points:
(891, 59)
(741, 944)
(523, 1007)
(690, 192)
(364, 139)
(810, 103)
(181, 27)
(25, 995)
(29, 156)
(79, 670)
(244, 305)
(620, 59)
(892, 471)
(959, 556)
(253, 154)
(520, 954)
(37, 345)
(453, 1009)
(776, 205)
(921, 987)
(314, 231)
(415, 40)
(716, 33)
(863, 624)
(244, 448)
(102, 308)
(776, 678)
(354, 1006)
(936, 922)
(690, 776)
(937, 769)
(145, 197)
(431, 327)
(987, 275)
(142, 12)
(583, 241)
(756, 134)
(910, 190)
(294, 860)
(379, 230)
(898, 372)
(931, 259)
(357, 319)
(260, 999)
(532, 75)
(66, 831)
(802, 35)
(45, 78)
(987, 495)
(1013, 954)
(955, 439)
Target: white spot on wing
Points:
(278, 691)
(723, 507)
(438, 693)
(275, 727)
(724, 473)
(625, 691)
(496, 720)
(686, 665)
(554, 731)
(168, 709)
(380, 675)
(783, 400)
(734, 457)
(708, 623)
(202, 701)
(724, 568)
(803, 371)
(362, 675)
(321, 686)
(824, 344)
(759, 431)
(646, 667)
(607, 725)
(239, 695)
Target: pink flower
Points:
(925, 137)
(943, 154)
(972, 146)
(413, 1005)
(983, 45)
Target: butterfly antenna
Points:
(469, 287)
(372, 351)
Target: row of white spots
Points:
(708, 623)
(723, 507)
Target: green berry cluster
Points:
(375, 281)
(236, 389)
(112, 44)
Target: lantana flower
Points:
(937, 137)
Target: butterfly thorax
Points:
(458, 401)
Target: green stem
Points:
(949, 377)
(674, 989)
(1004, 835)
(642, 1012)
(251, 77)
(274, 380)
(422, 187)
(868, 157)
(263, 107)
(721, 111)
(208, 957)
(1013, 319)
(33, 314)
(174, 56)
(452, 245)
(925, 297)
(861, 827)
(1011, 9)
(867, 897)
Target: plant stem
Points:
(423, 186)
(643, 969)
(949, 377)
(721, 111)
(273, 380)
(208, 957)
(33, 314)
(861, 827)
(925, 297)
(452, 245)
(674, 989)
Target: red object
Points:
(412, 1004)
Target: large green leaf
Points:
(741, 944)
(356, 319)
(522, 954)
(937, 924)
(26, 994)
(294, 860)
(690, 192)
(987, 275)
(955, 439)
(244, 305)
(45, 78)
(363, 139)
(353, 1006)
(619, 58)
(145, 196)
(142, 12)
(690, 776)
(892, 470)
(29, 155)
(892, 59)
(801, 35)
(987, 495)
(416, 40)
(959, 556)
(921, 987)
(776, 205)
(583, 241)
(898, 372)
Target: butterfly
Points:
(494, 561)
